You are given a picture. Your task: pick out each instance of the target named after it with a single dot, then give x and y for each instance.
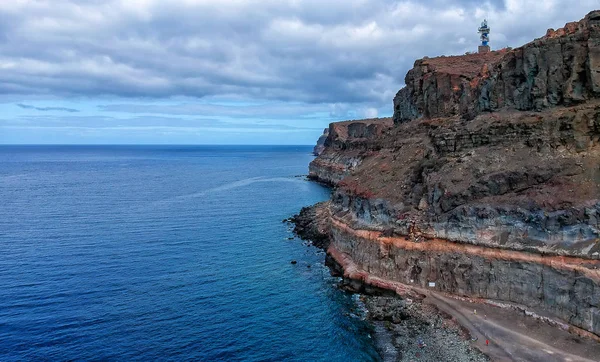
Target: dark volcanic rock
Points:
(562, 68)
(442, 87)
(407, 331)
(310, 224)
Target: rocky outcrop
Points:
(400, 325)
(356, 139)
(562, 68)
(320, 146)
(313, 223)
(442, 87)
(489, 182)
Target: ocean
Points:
(166, 253)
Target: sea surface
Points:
(165, 253)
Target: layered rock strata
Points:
(355, 140)
(488, 185)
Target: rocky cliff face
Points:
(524, 181)
(489, 182)
(562, 68)
(320, 146)
(566, 287)
(355, 139)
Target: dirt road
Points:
(513, 336)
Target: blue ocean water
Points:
(165, 253)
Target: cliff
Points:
(345, 146)
(487, 184)
(320, 146)
(560, 68)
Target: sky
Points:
(230, 71)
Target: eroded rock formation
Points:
(346, 146)
(489, 182)
(320, 146)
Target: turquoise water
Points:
(165, 253)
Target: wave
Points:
(231, 186)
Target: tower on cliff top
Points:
(484, 30)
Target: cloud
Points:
(310, 51)
(370, 113)
(266, 110)
(46, 109)
(146, 123)
(230, 71)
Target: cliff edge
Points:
(320, 146)
(345, 146)
(486, 181)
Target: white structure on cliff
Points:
(484, 30)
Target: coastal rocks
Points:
(357, 134)
(391, 309)
(414, 331)
(312, 224)
(404, 329)
(331, 167)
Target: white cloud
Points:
(291, 59)
(370, 113)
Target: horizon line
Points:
(153, 144)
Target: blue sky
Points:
(229, 71)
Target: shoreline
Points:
(501, 317)
(403, 316)
(403, 327)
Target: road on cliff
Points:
(512, 336)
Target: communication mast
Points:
(484, 30)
